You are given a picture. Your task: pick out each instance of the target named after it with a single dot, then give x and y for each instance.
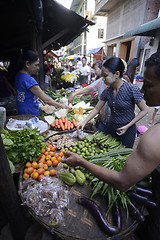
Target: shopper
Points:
(27, 88)
(98, 86)
(85, 70)
(47, 80)
(131, 70)
(144, 159)
(122, 98)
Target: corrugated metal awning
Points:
(146, 29)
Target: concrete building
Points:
(93, 38)
(123, 16)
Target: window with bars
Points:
(100, 33)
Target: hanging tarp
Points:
(98, 53)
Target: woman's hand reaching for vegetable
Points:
(122, 130)
(81, 125)
(71, 98)
(72, 159)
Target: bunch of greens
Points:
(115, 160)
(22, 146)
(87, 98)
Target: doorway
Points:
(126, 49)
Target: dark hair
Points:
(46, 70)
(131, 68)
(28, 55)
(114, 64)
(84, 58)
(98, 63)
(78, 58)
(154, 60)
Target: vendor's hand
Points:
(72, 159)
(71, 98)
(64, 106)
(122, 130)
(81, 125)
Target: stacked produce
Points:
(64, 124)
(61, 141)
(43, 166)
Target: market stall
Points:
(70, 202)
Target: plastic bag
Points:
(47, 198)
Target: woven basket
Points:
(25, 117)
(79, 223)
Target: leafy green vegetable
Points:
(22, 146)
(12, 167)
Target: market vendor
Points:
(122, 98)
(143, 160)
(98, 86)
(27, 89)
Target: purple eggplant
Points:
(117, 216)
(98, 215)
(135, 212)
(144, 191)
(141, 199)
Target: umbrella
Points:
(71, 57)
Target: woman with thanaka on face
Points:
(98, 86)
(122, 98)
(27, 89)
(144, 160)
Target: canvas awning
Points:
(98, 53)
(146, 29)
(22, 21)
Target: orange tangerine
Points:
(25, 170)
(49, 163)
(40, 177)
(25, 176)
(34, 164)
(59, 158)
(52, 172)
(48, 157)
(43, 150)
(34, 175)
(28, 164)
(42, 160)
(40, 165)
(55, 162)
(45, 166)
(53, 158)
(56, 155)
(30, 170)
(46, 173)
(40, 170)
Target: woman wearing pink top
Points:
(99, 86)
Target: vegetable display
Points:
(22, 146)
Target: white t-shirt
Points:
(46, 79)
(79, 64)
(85, 69)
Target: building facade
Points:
(93, 38)
(124, 15)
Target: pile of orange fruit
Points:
(48, 159)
